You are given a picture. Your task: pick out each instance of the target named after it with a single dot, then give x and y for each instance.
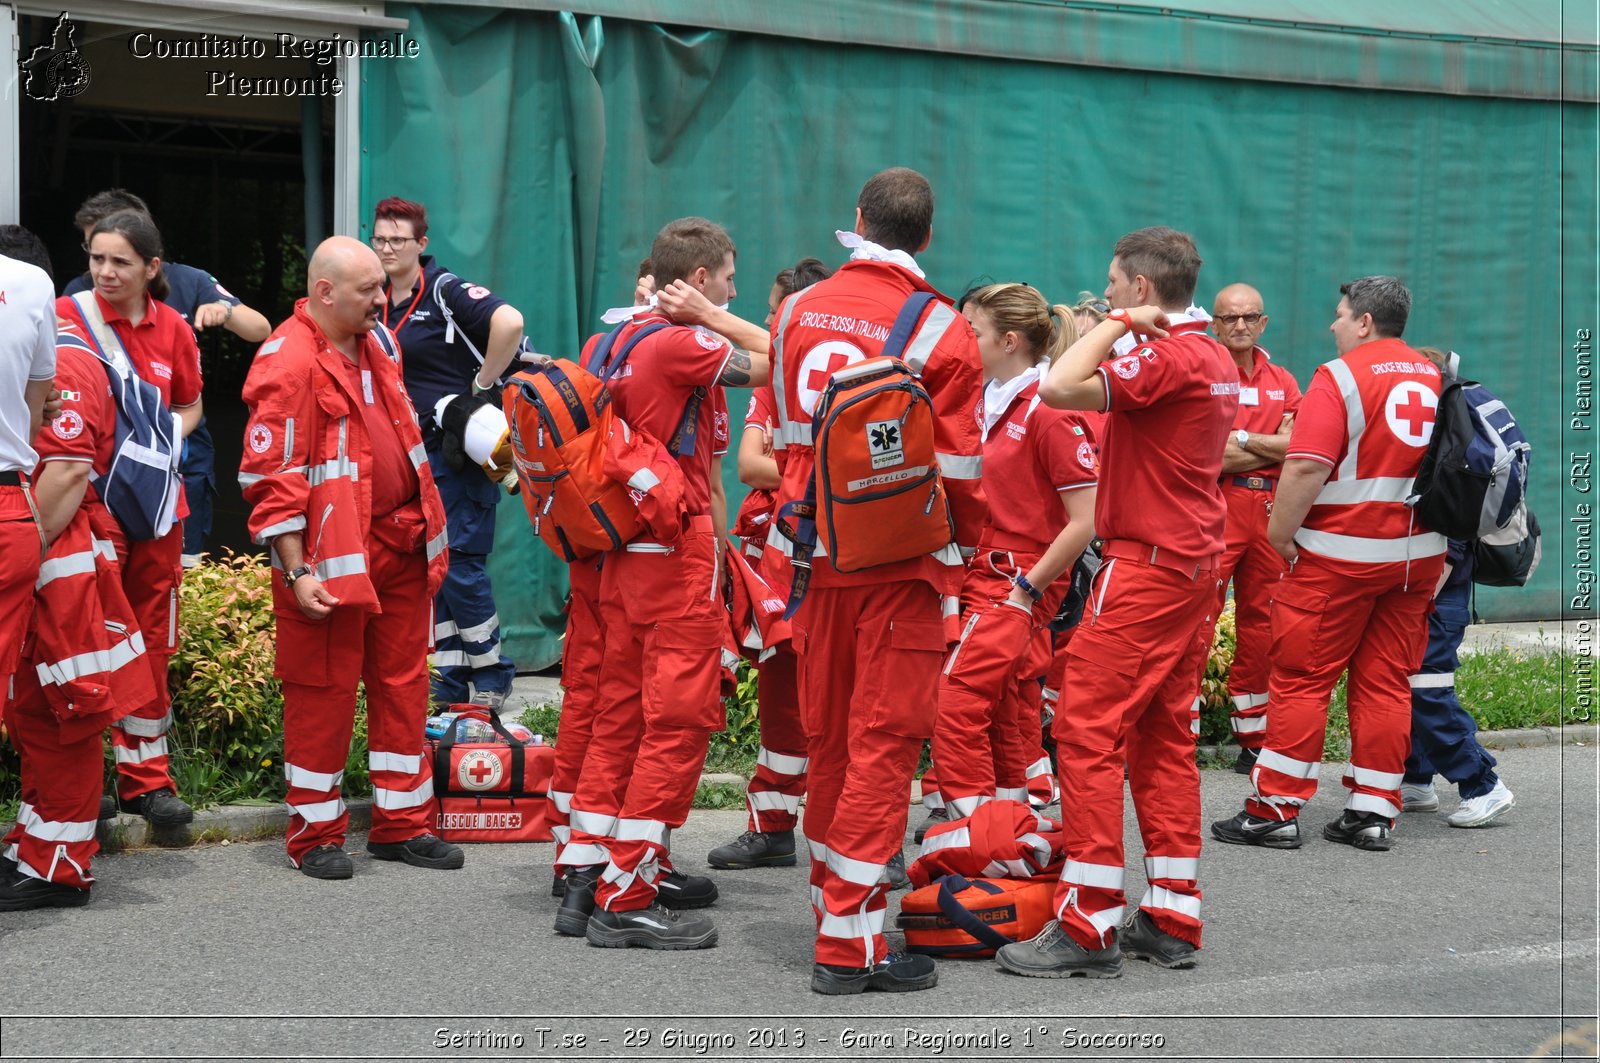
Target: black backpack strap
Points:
(952, 884)
(905, 323)
(804, 541)
(604, 369)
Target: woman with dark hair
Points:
(125, 313)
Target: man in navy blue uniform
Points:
(204, 303)
(456, 338)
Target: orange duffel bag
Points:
(957, 918)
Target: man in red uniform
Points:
(1135, 660)
(1362, 575)
(336, 474)
(1268, 399)
(870, 643)
(664, 630)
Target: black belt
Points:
(1255, 483)
(10, 479)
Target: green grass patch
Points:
(719, 795)
(1504, 689)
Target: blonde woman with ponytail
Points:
(1039, 472)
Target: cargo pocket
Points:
(683, 669)
(902, 684)
(303, 644)
(1297, 630)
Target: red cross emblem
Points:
(821, 362)
(479, 770)
(1411, 410)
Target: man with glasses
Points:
(1268, 399)
(457, 338)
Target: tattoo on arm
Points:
(736, 371)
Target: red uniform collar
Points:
(111, 313)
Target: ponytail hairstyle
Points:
(1020, 308)
(145, 239)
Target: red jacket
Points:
(307, 456)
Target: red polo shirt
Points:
(1032, 454)
(1267, 392)
(161, 347)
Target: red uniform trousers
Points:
(581, 651)
(151, 572)
(1254, 567)
(21, 550)
(1134, 670)
(775, 790)
(987, 733)
(659, 702)
(53, 837)
(869, 666)
(319, 662)
(1328, 615)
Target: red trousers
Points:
(53, 837)
(869, 666)
(659, 702)
(1255, 568)
(773, 796)
(581, 652)
(319, 662)
(21, 550)
(151, 572)
(1132, 676)
(987, 735)
(1326, 616)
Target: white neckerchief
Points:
(618, 314)
(862, 248)
(998, 397)
(1126, 342)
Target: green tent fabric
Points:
(550, 147)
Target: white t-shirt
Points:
(27, 352)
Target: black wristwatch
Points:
(294, 574)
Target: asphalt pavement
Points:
(1455, 944)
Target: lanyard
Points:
(422, 286)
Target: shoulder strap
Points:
(905, 323)
(606, 370)
(450, 329)
(102, 335)
(387, 341)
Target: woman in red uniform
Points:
(1039, 473)
(125, 311)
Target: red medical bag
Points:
(491, 791)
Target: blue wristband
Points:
(1033, 592)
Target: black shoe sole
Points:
(1182, 963)
(161, 821)
(789, 860)
(328, 875)
(572, 923)
(1371, 845)
(1070, 972)
(53, 899)
(604, 937)
(833, 985)
(401, 855)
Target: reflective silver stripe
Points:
(1432, 680)
(1249, 701)
(779, 542)
(1382, 780)
(1355, 415)
(945, 555)
(1186, 868)
(781, 763)
(54, 830)
(1372, 803)
(105, 548)
(338, 468)
(318, 811)
(78, 564)
(267, 534)
(793, 432)
(92, 663)
(648, 548)
(479, 632)
(860, 872)
(961, 466)
(1355, 492)
(642, 830)
(140, 727)
(1102, 876)
(562, 801)
(393, 800)
(1182, 903)
(288, 440)
(156, 747)
(418, 455)
(959, 838)
(644, 480)
(920, 349)
(863, 926)
(247, 479)
(597, 823)
(772, 801)
(1248, 724)
(343, 565)
(306, 779)
(966, 630)
(401, 762)
(270, 347)
(965, 806)
(783, 435)
(445, 630)
(585, 855)
(1012, 793)
(1038, 768)
(463, 659)
(1297, 769)
(437, 544)
(1374, 551)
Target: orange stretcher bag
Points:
(959, 918)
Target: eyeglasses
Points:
(1098, 306)
(1228, 320)
(380, 243)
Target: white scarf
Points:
(862, 248)
(998, 397)
(1127, 341)
(618, 314)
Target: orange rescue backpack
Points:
(959, 918)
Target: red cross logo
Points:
(821, 362)
(817, 379)
(1411, 410)
(479, 770)
(1415, 414)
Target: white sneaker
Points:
(1418, 797)
(190, 560)
(1482, 811)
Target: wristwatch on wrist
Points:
(294, 574)
(1121, 317)
(227, 315)
(1243, 438)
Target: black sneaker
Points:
(935, 817)
(577, 902)
(682, 892)
(327, 861)
(1246, 761)
(162, 808)
(108, 807)
(1364, 830)
(894, 872)
(1143, 940)
(654, 927)
(21, 892)
(1052, 953)
(755, 848)
(1245, 829)
(425, 850)
(897, 973)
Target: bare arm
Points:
(249, 325)
(757, 467)
(35, 394)
(58, 490)
(719, 502)
(744, 369)
(1064, 550)
(1072, 383)
(309, 593)
(1298, 487)
(505, 333)
(190, 416)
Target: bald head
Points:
(1238, 318)
(344, 288)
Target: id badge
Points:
(1247, 397)
(366, 386)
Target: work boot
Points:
(1485, 809)
(1418, 797)
(1246, 761)
(897, 972)
(425, 850)
(1364, 830)
(558, 885)
(327, 861)
(20, 892)
(755, 848)
(1052, 953)
(652, 927)
(894, 872)
(681, 892)
(108, 807)
(935, 817)
(162, 808)
(1245, 829)
(577, 903)
(1143, 940)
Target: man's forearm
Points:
(1298, 487)
(291, 550)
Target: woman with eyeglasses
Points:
(125, 310)
(1040, 469)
